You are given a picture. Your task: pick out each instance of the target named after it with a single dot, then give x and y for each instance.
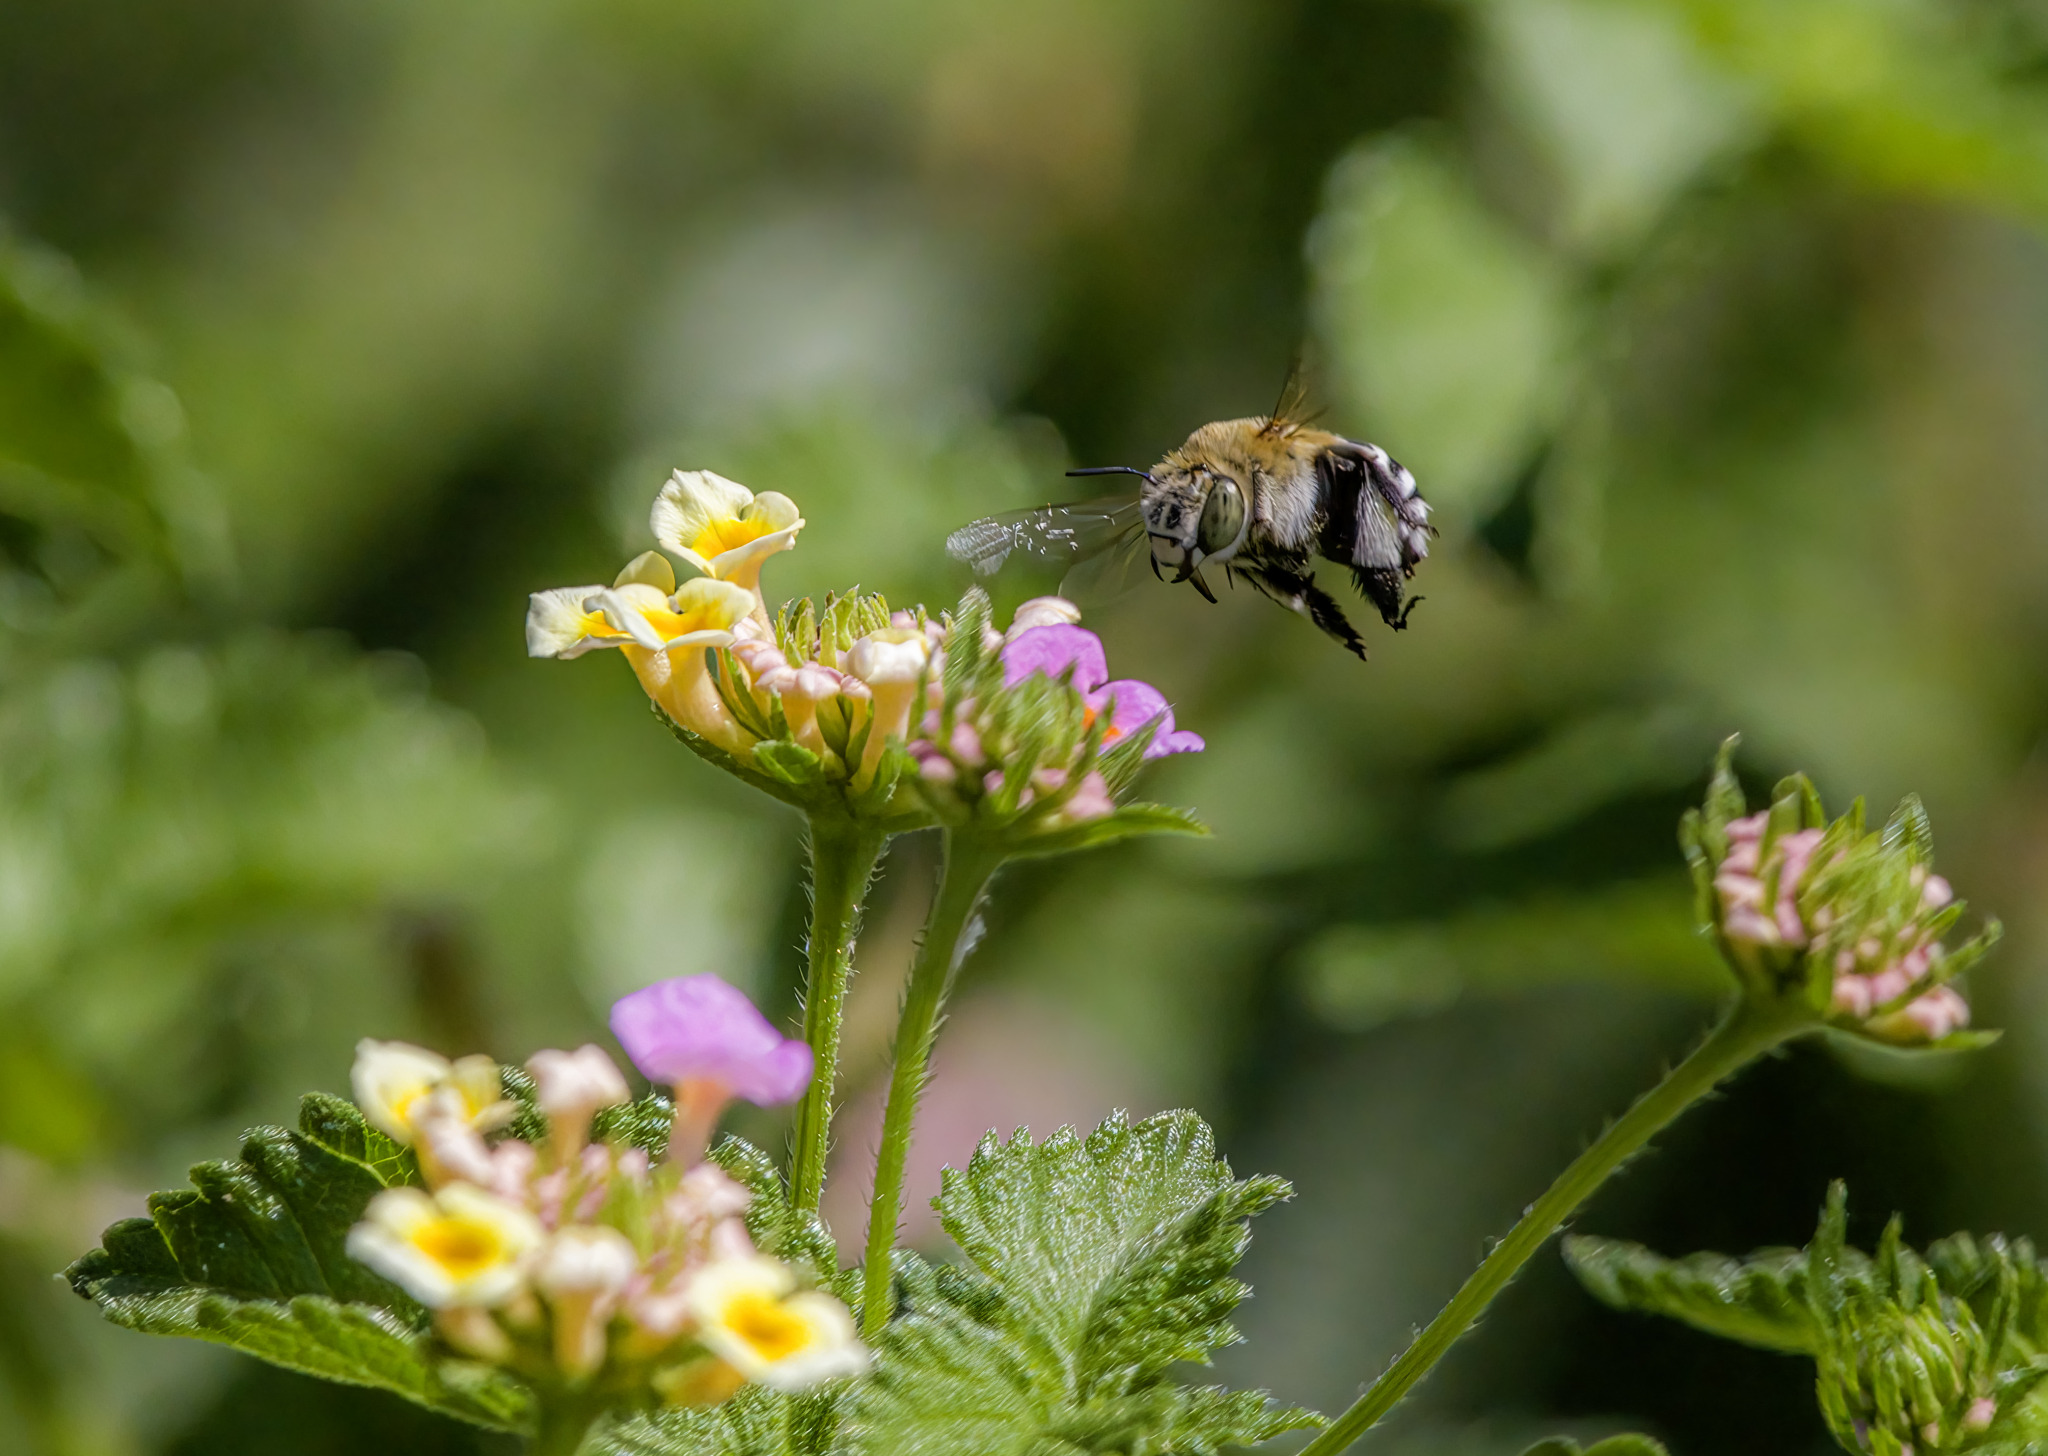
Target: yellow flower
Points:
(395, 1082)
(664, 636)
(722, 528)
(747, 1316)
(460, 1247)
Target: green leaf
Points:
(1098, 1264)
(792, 763)
(755, 1422)
(1758, 1301)
(254, 1256)
(1126, 823)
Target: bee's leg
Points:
(1382, 587)
(1297, 590)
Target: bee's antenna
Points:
(1112, 470)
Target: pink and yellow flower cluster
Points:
(847, 682)
(581, 1260)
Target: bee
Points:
(1260, 498)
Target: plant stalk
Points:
(965, 874)
(563, 1423)
(1745, 1033)
(844, 852)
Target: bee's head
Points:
(1194, 513)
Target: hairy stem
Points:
(1744, 1034)
(843, 856)
(965, 874)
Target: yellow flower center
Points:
(728, 534)
(461, 1246)
(697, 619)
(763, 1323)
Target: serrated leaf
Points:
(1757, 1301)
(254, 1256)
(354, 1344)
(755, 1422)
(1098, 1264)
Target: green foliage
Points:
(1941, 1352)
(254, 1257)
(1097, 1264)
(756, 1422)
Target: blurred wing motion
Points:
(1101, 537)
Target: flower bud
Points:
(1043, 612)
(891, 662)
(570, 1087)
(583, 1271)
(1854, 920)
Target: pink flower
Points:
(698, 1028)
(1061, 648)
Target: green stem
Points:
(1744, 1034)
(843, 855)
(965, 874)
(564, 1421)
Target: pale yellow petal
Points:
(560, 624)
(650, 568)
(690, 504)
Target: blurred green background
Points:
(1717, 332)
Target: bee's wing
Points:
(1061, 536)
(1105, 574)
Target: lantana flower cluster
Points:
(1857, 917)
(576, 1260)
(1024, 725)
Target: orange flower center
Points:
(1109, 734)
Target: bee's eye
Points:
(1222, 517)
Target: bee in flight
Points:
(1259, 498)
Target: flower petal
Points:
(690, 502)
(694, 1027)
(559, 623)
(1052, 650)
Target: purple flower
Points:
(696, 1029)
(1131, 704)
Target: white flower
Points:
(722, 528)
(747, 1315)
(576, 1084)
(393, 1081)
(460, 1246)
(1044, 612)
(891, 662)
(889, 656)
